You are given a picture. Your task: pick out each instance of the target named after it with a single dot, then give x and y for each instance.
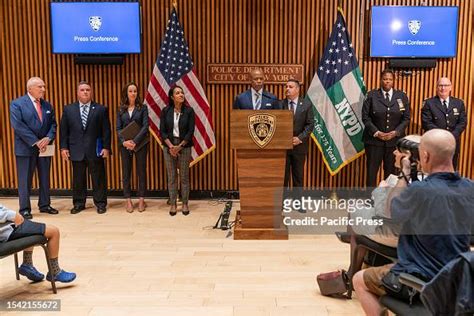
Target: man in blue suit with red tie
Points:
(255, 98)
(34, 126)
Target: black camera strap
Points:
(404, 176)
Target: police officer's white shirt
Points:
(447, 102)
(390, 94)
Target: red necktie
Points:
(38, 109)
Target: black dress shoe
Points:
(26, 214)
(101, 210)
(49, 210)
(344, 237)
(77, 209)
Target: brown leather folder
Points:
(131, 131)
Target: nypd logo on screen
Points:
(95, 23)
(414, 27)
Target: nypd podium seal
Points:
(261, 128)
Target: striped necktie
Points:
(258, 101)
(84, 114)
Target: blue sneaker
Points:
(62, 276)
(31, 273)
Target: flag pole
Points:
(333, 195)
(361, 58)
(175, 4)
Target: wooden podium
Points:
(261, 139)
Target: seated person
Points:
(386, 234)
(14, 226)
(426, 242)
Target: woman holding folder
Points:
(132, 128)
(177, 130)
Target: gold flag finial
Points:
(175, 4)
(339, 8)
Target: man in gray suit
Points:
(303, 125)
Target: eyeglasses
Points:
(444, 85)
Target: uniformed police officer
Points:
(386, 114)
(446, 112)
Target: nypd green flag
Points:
(337, 93)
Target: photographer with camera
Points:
(436, 215)
(386, 114)
(387, 234)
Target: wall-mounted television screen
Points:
(405, 31)
(95, 27)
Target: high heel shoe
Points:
(141, 206)
(185, 210)
(129, 207)
(173, 210)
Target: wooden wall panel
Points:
(217, 31)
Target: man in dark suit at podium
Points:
(85, 140)
(303, 125)
(34, 126)
(445, 112)
(255, 98)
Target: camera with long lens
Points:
(409, 147)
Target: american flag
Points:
(175, 67)
(338, 59)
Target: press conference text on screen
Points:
(96, 38)
(413, 43)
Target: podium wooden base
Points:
(261, 140)
(241, 233)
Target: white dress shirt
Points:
(176, 117)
